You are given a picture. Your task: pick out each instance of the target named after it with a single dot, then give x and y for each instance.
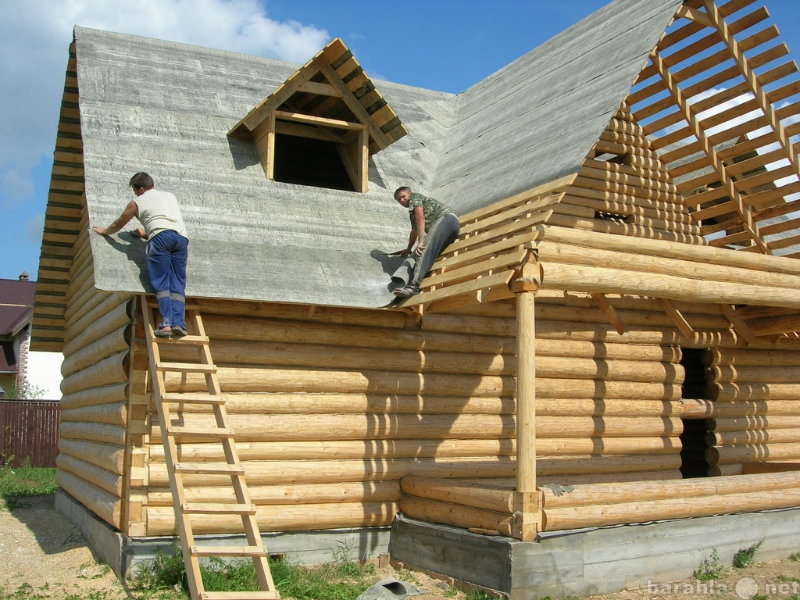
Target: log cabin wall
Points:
(756, 409)
(93, 451)
(332, 407)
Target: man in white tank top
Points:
(167, 249)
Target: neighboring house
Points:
(612, 340)
(16, 314)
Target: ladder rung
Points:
(240, 595)
(187, 367)
(212, 432)
(215, 508)
(209, 468)
(228, 551)
(193, 398)
(193, 340)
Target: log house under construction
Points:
(611, 341)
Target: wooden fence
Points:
(29, 430)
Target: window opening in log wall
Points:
(693, 439)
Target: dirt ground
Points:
(44, 556)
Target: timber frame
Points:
(533, 241)
(330, 99)
(536, 384)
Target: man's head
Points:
(141, 182)
(402, 195)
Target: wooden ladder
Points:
(173, 431)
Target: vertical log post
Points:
(527, 508)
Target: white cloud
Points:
(35, 38)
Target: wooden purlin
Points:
(173, 430)
(716, 71)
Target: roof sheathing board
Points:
(536, 119)
(166, 108)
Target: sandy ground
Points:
(44, 556)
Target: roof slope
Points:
(536, 119)
(142, 108)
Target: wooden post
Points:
(527, 508)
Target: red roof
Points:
(16, 311)
(16, 305)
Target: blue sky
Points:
(445, 45)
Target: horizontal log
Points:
(433, 511)
(106, 456)
(613, 229)
(462, 492)
(279, 403)
(106, 506)
(115, 414)
(562, 480)
(363, 449)
(378, 491)
(109, 371)
(739, 392)
(285, 428)
(748, 408)
(112, 314)
(645, 491)
(296, 312)
(558, 519)
(726, 455)
(288, 517)
(95, 432)
(333, 471)
(769, 467)
(749, 423)
(115, 342)
(754, 374)
(289, 472)
(561, 252)
(110, 482)
(753, 437)
(109, 394)
(369, 382)
(672, 250)
(678, 286)
(321, 380)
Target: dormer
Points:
(322, 125)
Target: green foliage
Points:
(26, 391)
(338, 580)
(709, 568)
(744, 557)
(25, 481)
(794, 556)
(478, 595)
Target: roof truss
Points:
(719, 102)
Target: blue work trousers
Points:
(167, 255)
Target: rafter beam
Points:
(690, 117)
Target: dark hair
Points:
(403, 188)
(143, 180)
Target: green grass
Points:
(338, 580)
(744, 557)
(26, 481)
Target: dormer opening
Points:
(322, 125)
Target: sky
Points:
(445, 45)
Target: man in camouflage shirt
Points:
(433, 227)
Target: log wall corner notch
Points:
(327, 119)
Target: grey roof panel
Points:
(536, 119)
(166, 108)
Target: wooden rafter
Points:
(718, 165)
